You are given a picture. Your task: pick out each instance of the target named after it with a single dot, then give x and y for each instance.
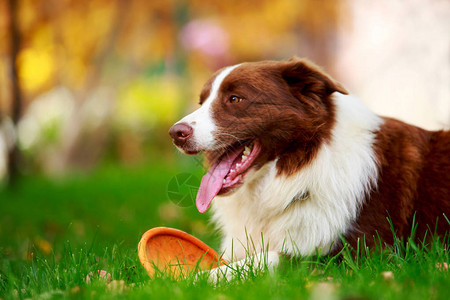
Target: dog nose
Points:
(180, 133)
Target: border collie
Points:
(297, 163)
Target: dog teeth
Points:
(224, 181)
(244, 158)
(238, 165)
(246, 151)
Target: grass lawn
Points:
(54, 233)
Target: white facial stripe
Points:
(201, 120)
(217, 83)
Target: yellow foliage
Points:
(36, 68)
(145, 102)
(37, 63)
(75, 71)
(28, 13)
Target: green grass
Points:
(53, 233)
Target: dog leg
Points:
(253, 264)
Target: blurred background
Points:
(89, 89)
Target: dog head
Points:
(253, 113)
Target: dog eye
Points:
(235, 99)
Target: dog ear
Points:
(308, 79)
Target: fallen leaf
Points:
(43, 245)
(323, 291)
(117, 286)
(75, 290)
(387, 275)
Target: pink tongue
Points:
(212, 182)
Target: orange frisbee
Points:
(175, 252)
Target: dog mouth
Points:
(227, 172)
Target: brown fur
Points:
(414, 182)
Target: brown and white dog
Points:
(296, 163)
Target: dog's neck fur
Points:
(337, 181)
